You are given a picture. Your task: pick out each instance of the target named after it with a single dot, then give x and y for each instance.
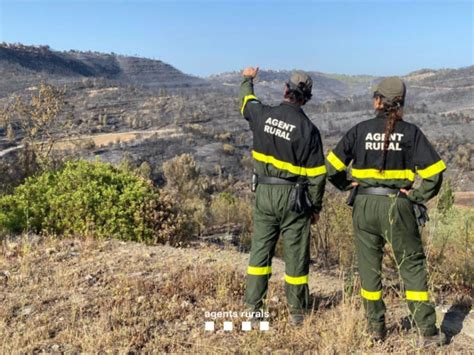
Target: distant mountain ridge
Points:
(334, 86)
(22, 66)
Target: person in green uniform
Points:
(386, 152)
(290, 169)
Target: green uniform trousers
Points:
(272, 217)
(378, 220)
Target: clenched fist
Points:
(250, 72)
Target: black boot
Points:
(378, 336)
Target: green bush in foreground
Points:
(92, 199)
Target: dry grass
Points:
(449, 244)
(90, 296)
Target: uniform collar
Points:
(291, 104)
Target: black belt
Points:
(271, 180)
(380, 191)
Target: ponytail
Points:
(393, 113)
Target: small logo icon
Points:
(264, 326)
(209, 326)
(228, 326)
(246, 326)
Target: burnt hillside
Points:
(23, 66)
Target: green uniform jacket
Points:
(286, 143)
(409, 153)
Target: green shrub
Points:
(332, 235)
(449, 240)
(184, 178)
(227, 208)
(190, 190)
(92, 199)
(445, 197)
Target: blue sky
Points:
(205, 37)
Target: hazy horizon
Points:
(207, 37)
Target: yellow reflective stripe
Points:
(434, 169)
(298, 280)
(417, 295)
(383, 175)
(247, 98)
(259, 270)
(283, 165)
(371, 295)
(336, 162)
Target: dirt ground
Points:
(464, 199)
(86, 296)
(101, 140)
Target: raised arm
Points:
(249, 103)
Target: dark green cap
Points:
(302, 82)
(390, 88)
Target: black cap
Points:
(302, 82)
